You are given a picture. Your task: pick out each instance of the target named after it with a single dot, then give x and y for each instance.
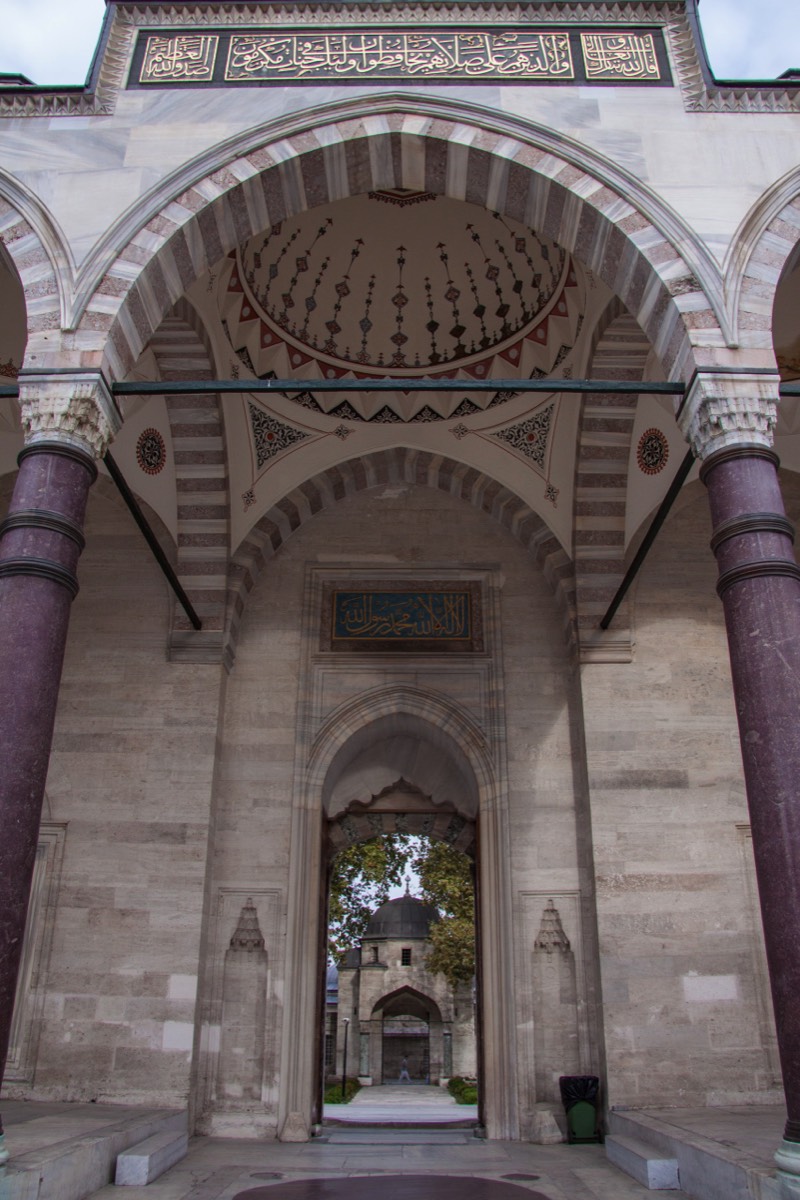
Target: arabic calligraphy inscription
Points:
(189, 58)
(630, 56)
(449, 54)
(426, 618)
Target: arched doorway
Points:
(411, 1037)
(406, 755)
(402, 1013)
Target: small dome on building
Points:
(404, 917)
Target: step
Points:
(353, 1136)
(646, 1165)
(149, 1159)
(84, 1161)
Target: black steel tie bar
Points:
(256, 386)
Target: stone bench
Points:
(143, 1163)
(645, 1164)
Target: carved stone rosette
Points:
(723, 410)
(76, 409)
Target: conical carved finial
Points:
(551, 934)
(408, 885)
(247, 935)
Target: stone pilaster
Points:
(730, 419)
(68, 421)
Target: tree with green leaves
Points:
(363, 876)
(445, 877)
(361, 880)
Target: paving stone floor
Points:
(357, 1162)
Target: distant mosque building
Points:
(396, 1008)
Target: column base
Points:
(295, 1129)
(787, 1160)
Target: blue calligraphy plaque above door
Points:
(428, 617)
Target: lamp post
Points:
(346, 1023)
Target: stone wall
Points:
(143, 906)
(268, 707)
(130, 780)
(683, 990)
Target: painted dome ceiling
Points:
(400, 284)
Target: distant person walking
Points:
(404, 1075)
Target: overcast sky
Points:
(52, 41)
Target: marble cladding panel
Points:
(130, 777)
(682, 974)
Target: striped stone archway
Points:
(620, 351)
(767, 238)
(464, 160)
(398, 465)
(181, 352)
(28, 251)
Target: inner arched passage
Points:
(405, 772)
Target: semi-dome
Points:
(404, 917)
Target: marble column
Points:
(68, 421)
(729, 420)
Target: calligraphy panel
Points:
(438, 54)
(188, 58)
(620, 57)
(219, 57)
(428, 616)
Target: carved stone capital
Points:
(722, 410)
(75, 408)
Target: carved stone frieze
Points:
(671, 14)
(77, 409)
(724, 410)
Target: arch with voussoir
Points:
(759, 253)
(40, 254)
(462, 159)
(398, 465)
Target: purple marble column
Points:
(40, 542)
(759, 585)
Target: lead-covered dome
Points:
(404, 917)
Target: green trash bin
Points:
(580, 1095)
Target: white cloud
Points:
(748, 40)
(50, 41)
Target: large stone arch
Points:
(523, 172)
(455, 733)
(40, 253)
(398, 465)
(759, 252)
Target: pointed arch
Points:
(759, 252)
(567, 193)
(40, 254)
(398, 465)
